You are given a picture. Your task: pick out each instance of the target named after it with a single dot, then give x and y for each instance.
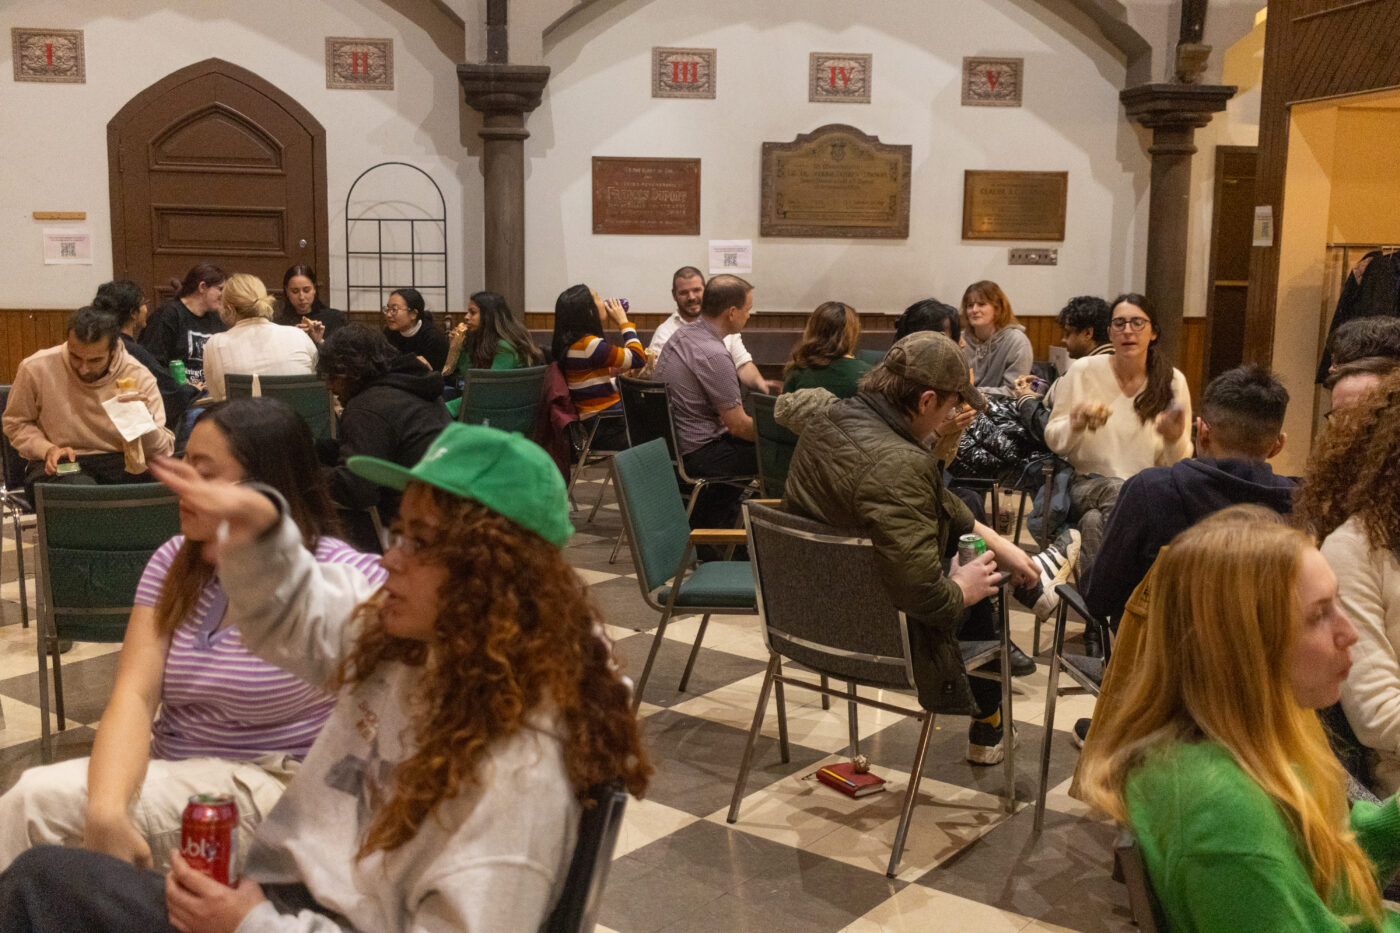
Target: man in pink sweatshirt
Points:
(54, 414)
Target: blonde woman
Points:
(1216, 758)
(252, 343)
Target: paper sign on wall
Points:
(732, 256)
(67, 246)
(1264, 225)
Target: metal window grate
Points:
(377, 271)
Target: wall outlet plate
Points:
(1034, 257)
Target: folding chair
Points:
(94, 543)
(509, 399)
(1087, 673)
(844, 627)
(663, 552)
(598, 826)
(307, 396)
(775, 447)
(1129, 868)
(15, 504)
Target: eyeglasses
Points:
(408, 544)
(393, 309)
(1135, 324)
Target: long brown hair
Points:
(831, 333)
(272, 445)
(495, 324)
(991, 293)
(519, 634)
(1222, 622)
(1156, 394)
(1355, 470)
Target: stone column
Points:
(504, 94)
(1173, 112)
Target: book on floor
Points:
(848, 781)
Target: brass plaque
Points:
(653, 197)
(1014, 205)
(835, 182)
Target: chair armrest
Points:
(717, 536)
(771, 503)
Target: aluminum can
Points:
(626, 305)
(970, 547)
(177, 371)
(209, 836)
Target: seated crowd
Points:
(410, 724)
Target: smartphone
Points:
(66, 467)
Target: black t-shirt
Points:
(175, 332)
(333, 319)
(429, 343)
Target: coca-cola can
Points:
(209, 836)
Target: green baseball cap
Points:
(930, 358)
(504, 472)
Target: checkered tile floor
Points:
(801, 857)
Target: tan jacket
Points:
(49, 406)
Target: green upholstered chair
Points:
(508, 399)
(844, 627)
(663, 551)
(873, 357)
(307, 396)
(775, 446)
(94, 542)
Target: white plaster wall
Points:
(55, 154)
(598, 102)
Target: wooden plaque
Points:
(1014, 205)
(839, 77)
(992, 82)
(651, 197)
(835, 182)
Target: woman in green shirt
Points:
(825, 357)
(489, 338)
(1216, 758)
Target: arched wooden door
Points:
(214, 163)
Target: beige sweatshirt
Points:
(50, 406)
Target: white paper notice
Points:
(67, 246)
(132, 419)
(1264, 225)
(732, 256)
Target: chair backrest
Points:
(1147, 910)
(10, 460)
(598, 828)
(653, 514)
(307, 395)
(1075, 601)
(873, 357)
(646, 407)
(94, 542)
(822, 602)
(508, 399)
(775, 446)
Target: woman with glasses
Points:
(478, 703)
(192, 709)
(1117, 414)
(409, 328)
(996, 344)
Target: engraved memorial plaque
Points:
(1014, 205)
(655, 197)
(835, 182)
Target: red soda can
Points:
(209, 836)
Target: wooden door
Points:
(214, 163)
(1231, 239)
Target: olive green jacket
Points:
(857, 467)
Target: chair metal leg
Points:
(58, 686)
(852, 717)
(45, 738)
(617, 545)
(784, 752)
(1020, 519)
(651, 659)
(1008, 721)
(907, 811)
(747, 759)
(695, 490)
(1052, 690)
(694, 651)
(607, 478)
(583, 457)
(826, 700)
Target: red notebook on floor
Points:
(844, 778)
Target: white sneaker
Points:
(1057, 564)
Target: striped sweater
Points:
(218, 699)
(590, 365)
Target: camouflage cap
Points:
(932, 359)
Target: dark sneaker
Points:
(985, 745)
(1080, 733)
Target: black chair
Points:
(1087, 673)
(1129, 868)
(775, 447)
(844, 626)
(598, 826)
(14, 504)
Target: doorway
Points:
(1231, 238)
(214, 163)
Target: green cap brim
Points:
(381, 471)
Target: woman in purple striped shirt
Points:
(192, 710)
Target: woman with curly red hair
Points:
(1351, 501)
(478, 705)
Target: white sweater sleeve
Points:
(1070, 390)
(1371, 694)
